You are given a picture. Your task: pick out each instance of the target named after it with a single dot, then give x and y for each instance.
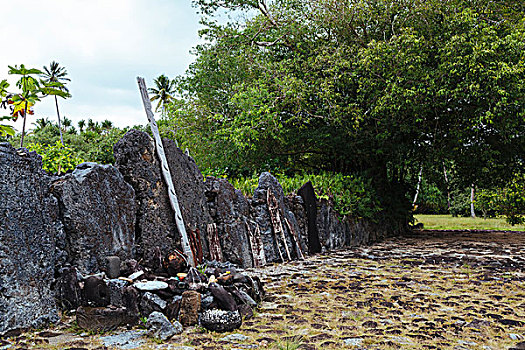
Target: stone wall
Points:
(29, 230)
(53, 226)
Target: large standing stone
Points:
(98, 211)
(231, 212)
(190, 189)
(136, 159)
(262, 218)
(156, 230)
(29, 229)
(307, 193)
(332, 228)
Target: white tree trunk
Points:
(420, 177)
(448, 186)
(59, 122)
(472, 211)
(166, 173)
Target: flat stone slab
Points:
(150, 285)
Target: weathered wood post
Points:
(166, 172)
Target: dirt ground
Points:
(431, 290)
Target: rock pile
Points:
(215, 295)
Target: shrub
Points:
(56, 159)
(351, 194)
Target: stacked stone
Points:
(217, 296)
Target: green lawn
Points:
(447, 222)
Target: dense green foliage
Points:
(349, 194)
(373, 88)
(94, 143)
(56, 159)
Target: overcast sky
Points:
(104, 45)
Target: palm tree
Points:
(41, 123)
(56, 74)
(163, 91)
(81, 125)
(107, 124)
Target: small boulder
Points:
(96, 291)
(221, 320)
(101, 318)
(224, 299)
(189, 308)
(151, 303)
(116, 289)
(113, 266)
(161, 328)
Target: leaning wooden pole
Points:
(166, 172)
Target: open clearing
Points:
(433, 290)
(448, 222)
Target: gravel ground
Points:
(431, 290)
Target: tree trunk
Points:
(166, 173)
(23, 127)
(59, 123)
(448, 186)
(420, 177)
(472, 212)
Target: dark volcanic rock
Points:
(220, 320)
(29, 230)
(262, 218)
(307, 193)
(332, 229)
(189, 308)
(68, 292)
(190, 189)
(223, 297)
(98, 210)
(231, 212)
(161, 328)
(151, 302)
(137, 160)
(101, 318)
(96, 291)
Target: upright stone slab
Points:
(332, 229)
(230, 210)
(190, 189)
(155, 227)
(307, 193)
(137, 160)
(29, 228)
(262, 218)
(98, 212)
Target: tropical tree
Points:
(57, 74)
(381, 87)
(81, 125)
(41, 123)
(4, 98)
(163, 91)
(106, 124)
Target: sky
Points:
(104, 45)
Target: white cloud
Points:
(104, 45)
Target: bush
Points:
(351, 194)
(56, 159)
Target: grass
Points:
(447, 222)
